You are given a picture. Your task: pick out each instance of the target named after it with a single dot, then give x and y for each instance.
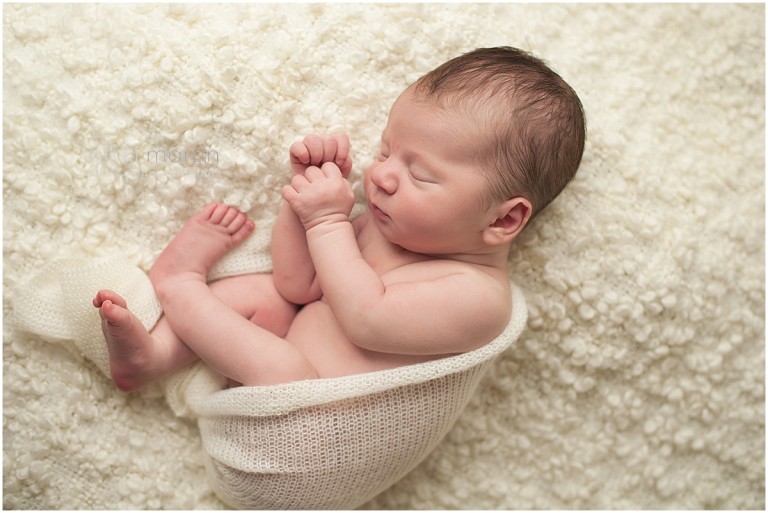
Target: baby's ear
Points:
(511, 218)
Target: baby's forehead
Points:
(408, 112)
(475, 120)
(446, 132)
(464, 109)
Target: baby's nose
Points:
(384, 176)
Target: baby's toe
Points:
(109, 295)
(116, 315)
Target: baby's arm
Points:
(449, 308)
(293, 270)
(454, 308)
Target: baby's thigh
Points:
(255, 297)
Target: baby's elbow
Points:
(369, 336)
(303, 297)
(384, 337)
(299, 293)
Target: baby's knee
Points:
(255, 297)
(271, 310)
(281, 367)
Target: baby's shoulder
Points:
(480, 302)
(480, 284)
(478, 277)
(467, 278)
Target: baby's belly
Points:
(317, 334)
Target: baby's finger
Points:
(331, 170)
(289, 193)
(329, 148)
(300, 182)
(299, 153)
(314, 173)
(316, 149)
(342, 154)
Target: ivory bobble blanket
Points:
(639, 381)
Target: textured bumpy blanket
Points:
(639, 381)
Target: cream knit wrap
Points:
(315, 444)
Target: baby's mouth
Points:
(379, 213)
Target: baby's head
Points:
(529, 120)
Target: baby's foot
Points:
(205, 238)
(131, 347)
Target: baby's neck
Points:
(493, 258)
(383, 254)
(490, 257)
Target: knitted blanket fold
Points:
(56, 303)
(315, 444)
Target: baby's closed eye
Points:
(421, 176)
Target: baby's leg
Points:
(217, 333)
(138, 358)
(255, 297)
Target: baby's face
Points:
(425, 187)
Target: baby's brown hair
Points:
(531, 120)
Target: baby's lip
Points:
(377, 211)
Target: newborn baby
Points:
(470, 153)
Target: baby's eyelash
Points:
(419, 178)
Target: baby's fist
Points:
(316, 150)
(320, 195)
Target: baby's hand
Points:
(316, 150)
(320, 195)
